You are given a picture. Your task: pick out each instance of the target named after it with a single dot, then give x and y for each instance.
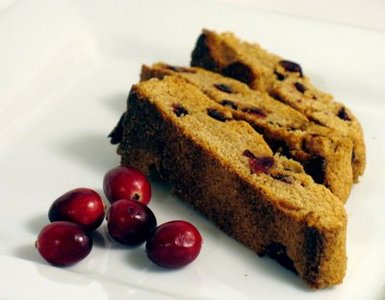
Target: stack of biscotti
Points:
(224, 168)
(325, 154)
(282, 79)
(264, 155)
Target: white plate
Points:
(66, 69)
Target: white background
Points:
(359, 13)
(65, 71)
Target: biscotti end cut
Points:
(325, 154)
(284, 80)
(226, 170)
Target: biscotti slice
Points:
(325, 154)
(283, 80)
(224, 168)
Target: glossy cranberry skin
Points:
(174, 244)
(126, 183)
(82, 206)
(63, 243)
(130, 222)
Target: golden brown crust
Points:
(283, 80)
(274, 208)
(325, 154)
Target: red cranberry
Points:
(174, 244)
(258, 164)
(63, 243)
(217, 115)
(81, 206)
(130, 222)
(179, 110)
(258, 112)
(300, 87)
(229, 103)
(342, 114)
(291, 66)
(126, 183)
(224, 87)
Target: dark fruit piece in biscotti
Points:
(258, 164)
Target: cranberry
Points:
(300, 87)
(343, 115)
(63, 243)
(258, 164)
(291, 66)
(217, 115)
(284, 178)
(126, 183)
(81, 206)
(130, 222)
(179, 110)
(279, 76)
(223, 87)
(258, 112)
(229, 103)
(180, 69)
(174, 244)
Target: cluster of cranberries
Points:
(75, 214)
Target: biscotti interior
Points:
(282, 79)
(324, 153)
(225, 169)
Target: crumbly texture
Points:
(226, 170)
(283, 80)
(325, 154)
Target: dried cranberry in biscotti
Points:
(300, 87)
(229, 103)
(224, 87)
(258, 112)
(291, 66)
(179, 110)
(217, 115)
(258, 164)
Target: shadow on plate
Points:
(217, 245)
(117, 103)
(28, 252)
(98, 239)
(93, 150)
(36, 223)
(276, 271)
(137, 259)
